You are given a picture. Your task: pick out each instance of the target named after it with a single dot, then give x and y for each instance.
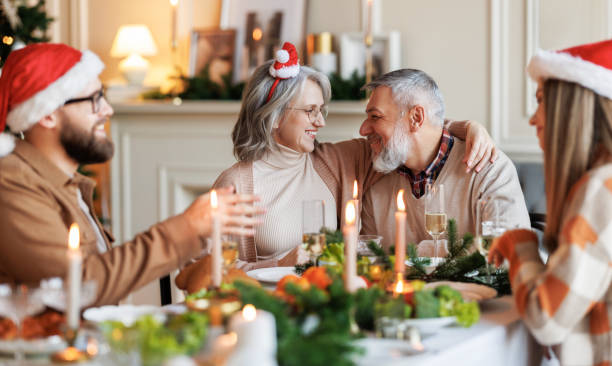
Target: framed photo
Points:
(386, 53)
(261, 28)
(213, 48)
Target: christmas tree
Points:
(20, 23)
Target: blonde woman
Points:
(284, 106)
(566, 302)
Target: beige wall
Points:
(477, 50)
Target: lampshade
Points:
(133, 38)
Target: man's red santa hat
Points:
(589, 65)
(38, 79)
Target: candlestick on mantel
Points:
(216, 262)
(368, 43)
(174, 4)
(400, 233)
(75, 272)
(350, 248)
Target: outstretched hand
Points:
(480, 148)
(237, 213)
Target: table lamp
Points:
(132, 42)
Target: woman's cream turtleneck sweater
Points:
(283, 179)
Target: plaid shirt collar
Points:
(419, 181)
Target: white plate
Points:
(430, 325)
(469, 291)
(381, 350)
(43, 346)
(272, 274)
(127, 314)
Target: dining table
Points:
(499, 338)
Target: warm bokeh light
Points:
(400, 200)
(350, 213)
(249, 312)
(8, 40)
(73, 237)
(214, 202)
(399, 286)
(92, 347)
(355, 190)
(174, 2)
(257, 34)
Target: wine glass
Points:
(16, 303)
(491, 222)
(229, 251)
(435, 215)
(313, 220)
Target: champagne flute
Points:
(435, 215)
(491, 222)
(313, 220)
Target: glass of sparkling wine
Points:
(313, 220)
(229, 251)
(492, 221)
(435, 215)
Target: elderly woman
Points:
(284, 106)
(567, 301)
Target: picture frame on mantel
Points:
(261, 28)
(386, 53)
(213, 48)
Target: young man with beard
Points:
(405, 130)
(51, 94)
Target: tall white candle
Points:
(256, 332)
(173, 4)
(357, 205)
(216, 241)
(400, 233)
(350, 248)
(75, 272)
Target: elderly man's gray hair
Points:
(412, 87)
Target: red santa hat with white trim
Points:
(589, 65)
(38, 79)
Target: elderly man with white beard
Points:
(405, 128)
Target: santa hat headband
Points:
(38, 79)
(286, 65)
(589, 65)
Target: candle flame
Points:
(257, 34)
(73, 237)
(174, 2)
(214, 202)
(355, 190)
(350, 213)
(249, 312)
(400, 200)
(399, 286)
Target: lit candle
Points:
(216, 241)
(369, 25)
(256, 333)
(173, 4)
(350, 248)
(357, 205)
(400, 233)
(75, 272)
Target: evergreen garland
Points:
(31, 25)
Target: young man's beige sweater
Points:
(462, 192)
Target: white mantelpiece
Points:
(166, 155)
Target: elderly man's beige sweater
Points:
(462, 192)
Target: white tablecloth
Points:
(500, 338)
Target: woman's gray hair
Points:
(412, 87)
(252, 134)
